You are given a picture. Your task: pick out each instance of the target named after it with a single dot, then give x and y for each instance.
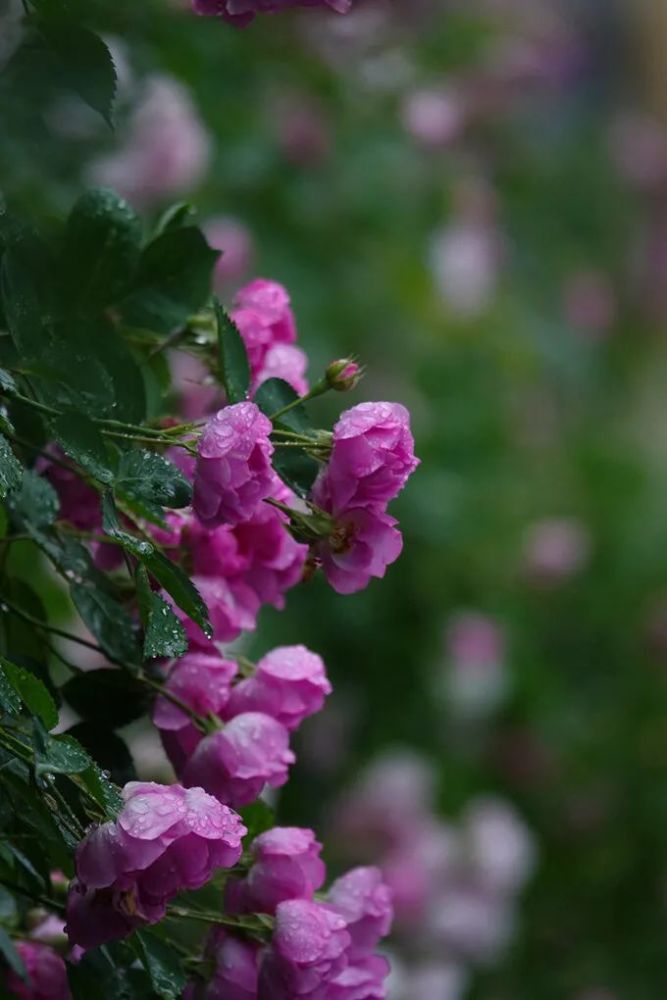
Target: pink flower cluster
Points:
(251, 749)
(166, 839)
(318, 948)
(371, 460)
(263, 314)
(453, 885)
(237, 568)
(242, 12)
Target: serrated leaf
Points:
(111, 625)
(62, 755)
(82, 62)
(104, 792)
(173, 280)
(111, 698)
(150, 479)
(79, 438)
(108, 750)
(180, 588)
(102, 246)
(170, 576)
(32, 693)
(162, 963)
(11, 470)
(234, 367)
(164, 635)
(36, 502)
(11, 955)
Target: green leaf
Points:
(173, 280)
(273, 395)
(36, 502)
(23, 304)
(102, 246)
(162, 963)
(111, 698)
(258, 817)
(79, 438)
(175, 217)
(32, 693)
(232, 357)
(109, 751)
(170, 576)
(104, 792)
(111, 625)
(11, 470)
(81, 61)
(9, 697)
(61, 755)
(296, 469)
(88, 367)
(12, 957)
(7, 383)
(180, 587)
(164, 634)
(152, 481)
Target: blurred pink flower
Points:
(235, 241)
(434, 117)
(554, 550)
(165, 149)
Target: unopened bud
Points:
(343, 375)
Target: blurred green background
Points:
(472, 198)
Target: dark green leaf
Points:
(232, 357)
(173, 280)
(273, 395)
(23, 305)
(61, 755)
(35, 503)
(12, 957)
(9, 696)
(82, 62)
(138, 547)
(107, 620)
(11, 470)
(296, 469)
(80, 439)
(88, 367)
(97, 977)
(32, 693)
(111, 698)
(109, 751)
(150, 479)
(103, 791)
(164, 635)
(180, 587)
(102, 246)
(162, 963)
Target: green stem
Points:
(318, 390)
